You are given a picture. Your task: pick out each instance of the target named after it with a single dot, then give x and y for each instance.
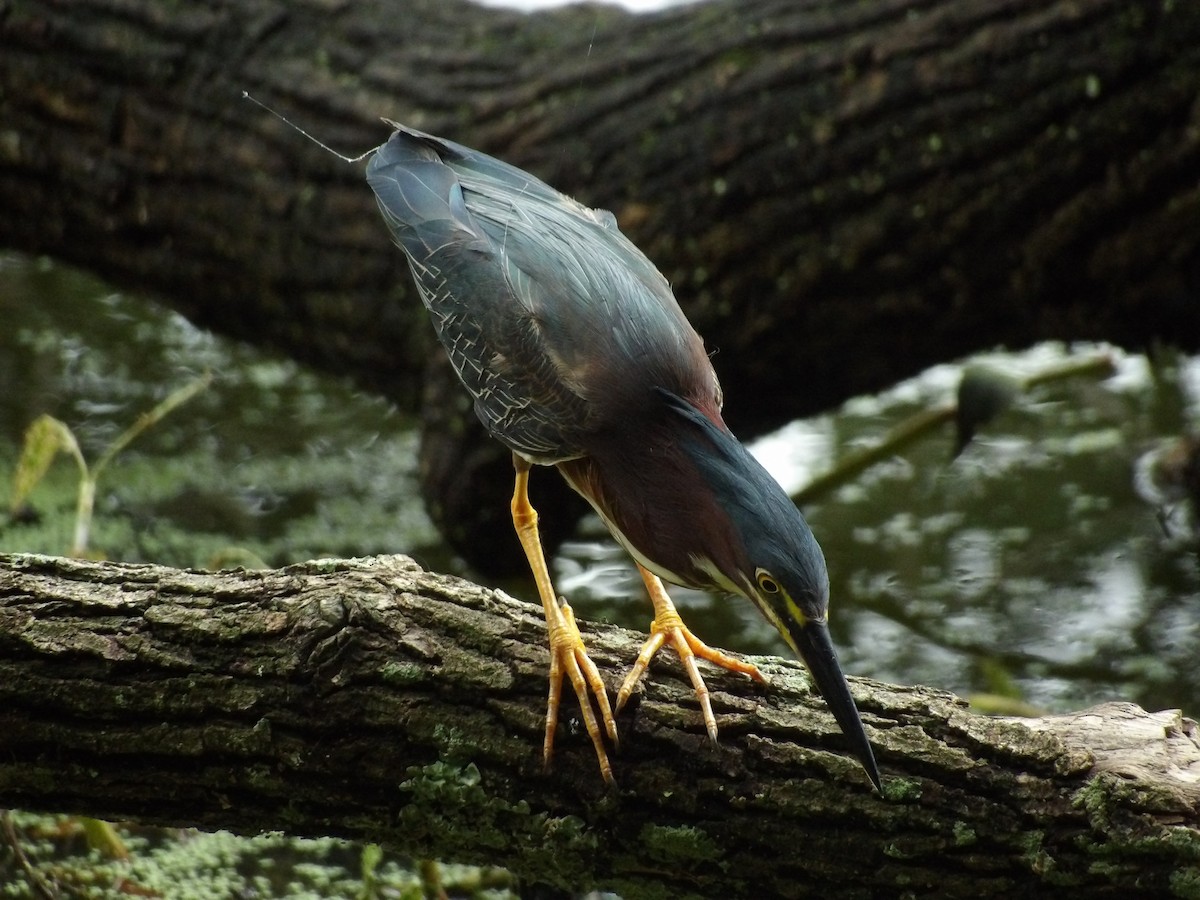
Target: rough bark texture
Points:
(370, 699)
(841, 193)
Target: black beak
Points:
(816, 649)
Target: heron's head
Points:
(764, 550)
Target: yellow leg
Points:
(568, 655)
(668, 625)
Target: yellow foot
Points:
(568, 656)
(668, 625)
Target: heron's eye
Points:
(768, 584)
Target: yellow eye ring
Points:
(768, 584)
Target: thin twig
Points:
(41, 886)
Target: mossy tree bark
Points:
(842, 194)
(370, 699)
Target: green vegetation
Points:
(47, 437)
(52, 855)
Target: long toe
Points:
(569, 657)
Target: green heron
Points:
(578, 356)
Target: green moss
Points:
(1184, 841)
(401, 674)
(964, 835)
(446, 802)
(1186, 883)
(901, 790)
(1093, 799)
(449, 807)
(190, 865)
(554, 839)
(453, 745)
(1107, 869)
(679, 845)
(1108, 801)
(444, 782)
(1035, 856)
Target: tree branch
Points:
(373, 700)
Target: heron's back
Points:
(553, 320)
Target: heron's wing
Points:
(606, 316)
(489, 335)
(553, 319)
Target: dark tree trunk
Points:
(841, 193)
(373, 700)
(886, 185)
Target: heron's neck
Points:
(656, 502)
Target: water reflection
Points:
(272, 463)
(1028, 566)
